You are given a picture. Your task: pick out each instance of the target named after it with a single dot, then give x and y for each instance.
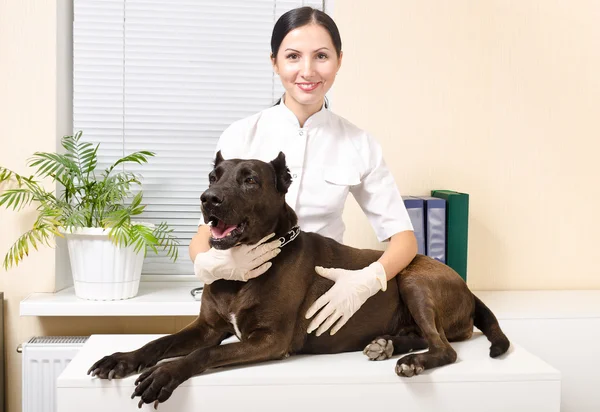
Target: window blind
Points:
(169, 76)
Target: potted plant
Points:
(94, 212)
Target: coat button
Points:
(294, 175)
(301, 133)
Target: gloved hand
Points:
(241, 262)
(352, 288)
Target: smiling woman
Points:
(306, 59)
(328, 157)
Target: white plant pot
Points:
(101, 270)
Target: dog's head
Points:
(245, 200)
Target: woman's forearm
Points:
(199, 242)
(400, 252)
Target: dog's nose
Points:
(211, 197)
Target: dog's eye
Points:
(212, 179)
(250, 180)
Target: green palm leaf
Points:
(17, 198)
(137, 157)
(40, 233)
(120, 236)
(169, 242)
(27, 190)
(7, 175)
(142, 238)
(89, 160)
(54, 165)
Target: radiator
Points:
(44, 358)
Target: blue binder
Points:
(416, 212)
(435, 227)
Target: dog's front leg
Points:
(203, 332)
(157, 384)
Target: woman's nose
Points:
(308, 68)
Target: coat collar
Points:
(288, 116)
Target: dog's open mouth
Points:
(221, 230)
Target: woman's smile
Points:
(308, 87)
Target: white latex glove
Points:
(352, 288)
(241, 262)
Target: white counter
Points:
(518, 381)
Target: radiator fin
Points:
(58, 340)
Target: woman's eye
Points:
(321, 56)
(292, 56)
(250, 180)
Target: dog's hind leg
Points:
(384, 347)
(422, 308)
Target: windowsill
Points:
(153, 299)
(174, 299)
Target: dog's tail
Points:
(486, 322)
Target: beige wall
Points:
(499, 99)
(27, 123)
(492, 98)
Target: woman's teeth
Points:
(308, 86)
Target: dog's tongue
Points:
(221, 230)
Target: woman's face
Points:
(306, 64)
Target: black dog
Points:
(425, 306)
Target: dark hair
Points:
(303, 16)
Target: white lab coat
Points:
(328, 158)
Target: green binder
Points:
(457, 229)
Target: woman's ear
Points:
(340, 60)
(274, 64)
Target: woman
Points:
(328, 157)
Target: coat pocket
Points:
(341, 176)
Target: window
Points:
(169, 76)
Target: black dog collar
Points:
(290, 236)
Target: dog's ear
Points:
(218, 159)
(283, 179)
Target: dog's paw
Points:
(379, 349)
(409, 365)
(157, 384)
(118, 365)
